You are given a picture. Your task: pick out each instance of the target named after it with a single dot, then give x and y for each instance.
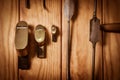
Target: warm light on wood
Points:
(115, 27)
(53, 67)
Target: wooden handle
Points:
(113, 27)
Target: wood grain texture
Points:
(8, 55)
(53, 67)
(48, 68)
(111, 41)
(81, 50)
(115, 27)
(111, 11)
(111, 56)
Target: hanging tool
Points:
(55, 33)
(27, 3)
(94, 35)
(21, 44)
(68, 11)
(44, 4)
(40, 38)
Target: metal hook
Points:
(27, 2)
(44, 5)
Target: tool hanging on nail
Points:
(21, 44)
(68, 11)
(27, 2)
(94, 35)
(44, 4)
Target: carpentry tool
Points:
(44, 4)
(40, 38)
(55, 33)
(21, 43)
(94, 35)
(68, 11)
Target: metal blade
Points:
(94, 38)
(94, 30)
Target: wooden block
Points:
(113, 27)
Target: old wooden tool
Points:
(94, 35)
(111, 27)
(68, 11)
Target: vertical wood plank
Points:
(8, 55)
(111, 41)
(112, 56)
(81, 50)
(111, 11)
(50, 67)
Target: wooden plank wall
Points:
(54, 66)
(111, 48)
(8, 56)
